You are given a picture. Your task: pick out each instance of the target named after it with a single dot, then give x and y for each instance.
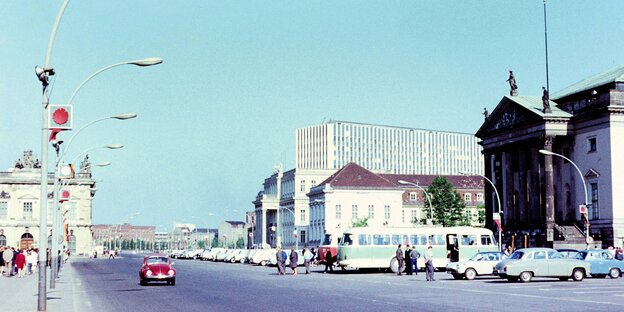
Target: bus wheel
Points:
(394, 265)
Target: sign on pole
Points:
(583, 209)
(60, 116)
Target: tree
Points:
(481, 211)
(360, 222)
(448, 206)
(240, 243)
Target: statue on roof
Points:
(546, 100)
(512, 84)
(85, 166)
(27, 161)
(486, 113)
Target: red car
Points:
(157, 268)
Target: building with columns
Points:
(541, 192)
(19, 206)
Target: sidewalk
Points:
(21, 294)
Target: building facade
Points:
(20, 204)
(547, 158)
(387, 149)
(231, 233)
(124, 236)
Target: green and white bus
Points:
(375, 247)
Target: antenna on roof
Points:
(546, 46)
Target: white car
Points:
(482, 263)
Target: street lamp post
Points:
(545, 152)
(430, 219)
(500, 234)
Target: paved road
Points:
(112, 285)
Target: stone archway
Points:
(26, 241)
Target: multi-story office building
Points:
(387, 149)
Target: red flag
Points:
(53, 134)
(498, 224)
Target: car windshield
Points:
(517, 255)
(328, 239)
(479, 257)
(156, 260)
(581, 255)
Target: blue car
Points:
(602, 263)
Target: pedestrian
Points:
(400, 259)
(329, 261)
(407, 260)
(429, 263)
(307, 258)
(32, 260)
(280, 257)
(7, 256)
(414, 255)
(314, 257)
(619, 254)
(20, 263)
(294, 260)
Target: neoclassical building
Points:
(19, 205)
(541, 192)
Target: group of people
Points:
(410, 256)
(281, 257)
(18, 262)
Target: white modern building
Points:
(19, 206)
(387, 149)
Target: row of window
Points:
(27, 210)
(414, 239)
(354, 212)
(467, 196)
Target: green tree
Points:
(215, 242)
(240, 243)
(360, 223)
(448, 206)
(481, 210)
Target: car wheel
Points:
(263, 263)
(470, 274)
(578, 275)
(173, 282)
(457, 276)
(525, 276)
(614, 273)
(142, 282)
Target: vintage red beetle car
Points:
(157, 268)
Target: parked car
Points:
(224, 255)
(524, 264)
(263, 256)
(252, 252)
(482, 263)
(241, 256)
(212, 253)
(601, 263)
(232, 255)
(157, 267)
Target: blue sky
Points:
(239, 77)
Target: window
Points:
(338, 212)
(413, 196)
(486, 240)
(354, 212)
(302, 215)
(3, 211)
(470, 239)
(387, 212)
(303, 188)
(467, 197)
(302, 237)
(399, 239)
(479, 196)
(28, 210)
(312, 183)
(381, 239)
(414, 216)
(591, 142)
(371, 212)
(539, 255)
(364, 239)
(403, 215)
(594, 212)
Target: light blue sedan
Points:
(602, 263)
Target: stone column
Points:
(550, 198)
(264, 227)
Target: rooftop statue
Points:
(27, 161)
(512, 84)
(546, 101)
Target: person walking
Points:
(7, 255)
(400, 259)
(307, 258)
(329, 261)
(414, 255)
(294, 260)
(1, 260)
(429, 263)
(280, 258)
(31, 261)
(407, 259)
(20, 263)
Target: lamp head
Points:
(545, 152)
(124, 116)
(147, 61)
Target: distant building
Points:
(387, 149)
(541, 193)
(124, 236)
(20, 206)
(231, 232)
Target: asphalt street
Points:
(113, 285)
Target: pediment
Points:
(28, 197)
(507, 115)
(592, 174)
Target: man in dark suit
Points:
(400, 259)
(407, 260)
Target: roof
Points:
(535, 105)
(613, 75)
(236, 222)
(353, 175)
(458, 181)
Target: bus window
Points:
(423, 240)
(381, 239)
(436, 240)
(486, 240)
(364, 239)
(469, 239)
(347, 240)
(400, 239)
(328, 239)
(414, 240)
